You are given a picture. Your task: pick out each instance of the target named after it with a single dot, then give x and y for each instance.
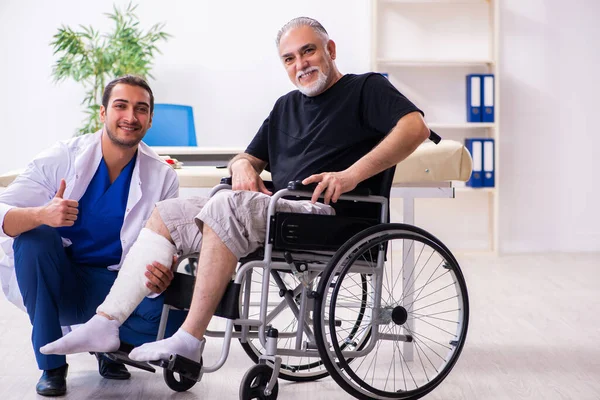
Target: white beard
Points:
(315, 88)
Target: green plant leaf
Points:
(92, 58)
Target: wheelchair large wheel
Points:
(416, 319)
(279, 315)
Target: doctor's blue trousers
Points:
(57, 292)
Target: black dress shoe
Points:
(112, 370)
(53, 382)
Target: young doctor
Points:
(73, 215)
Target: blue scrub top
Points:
(96, 235)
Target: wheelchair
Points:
(380, 307)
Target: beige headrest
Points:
(447, 161)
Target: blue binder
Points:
(489, 178)
(487, 98)
(475, 147)
(474, 98)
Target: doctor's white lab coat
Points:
(77, 160)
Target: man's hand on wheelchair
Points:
(331, 184)
(159, 276)
(245, 177)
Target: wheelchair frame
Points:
(261, 381)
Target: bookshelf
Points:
(465, 125)
(427, 48)
(432, 63)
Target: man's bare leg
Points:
(101, 333)
(215, 269)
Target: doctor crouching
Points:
(68, 221)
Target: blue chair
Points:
(172, 125)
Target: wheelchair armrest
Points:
(227, 181)
(297, 185)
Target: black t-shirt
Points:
(328, 133)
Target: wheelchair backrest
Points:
(378, 185)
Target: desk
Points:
(206, 177)
(430, 168)
(426, 173)
(194, 156)
(7, 178)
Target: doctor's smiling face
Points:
(127, 115)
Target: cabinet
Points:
(427, 48)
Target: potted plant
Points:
(92, 58)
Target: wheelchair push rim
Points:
(416, 331)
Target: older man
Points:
(73, 214)
(338, 130)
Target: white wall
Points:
(549, 145)
(223, 62)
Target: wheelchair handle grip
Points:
(434, 137)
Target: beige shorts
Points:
(239, 218)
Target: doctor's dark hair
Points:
(127, 80)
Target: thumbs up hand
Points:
(60, 212)
(61, 189)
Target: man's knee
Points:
(228, 203)
(222, 200)
(155, 223)
(37, 240)
(238, 218)
(34, 251)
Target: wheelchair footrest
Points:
(183, 366)
(123, 357)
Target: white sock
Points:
(99, 334)
(129, 288)
(181, 343)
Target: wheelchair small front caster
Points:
(255, 382)
(179, 385)
(180, 373)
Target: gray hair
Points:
(303, 21)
